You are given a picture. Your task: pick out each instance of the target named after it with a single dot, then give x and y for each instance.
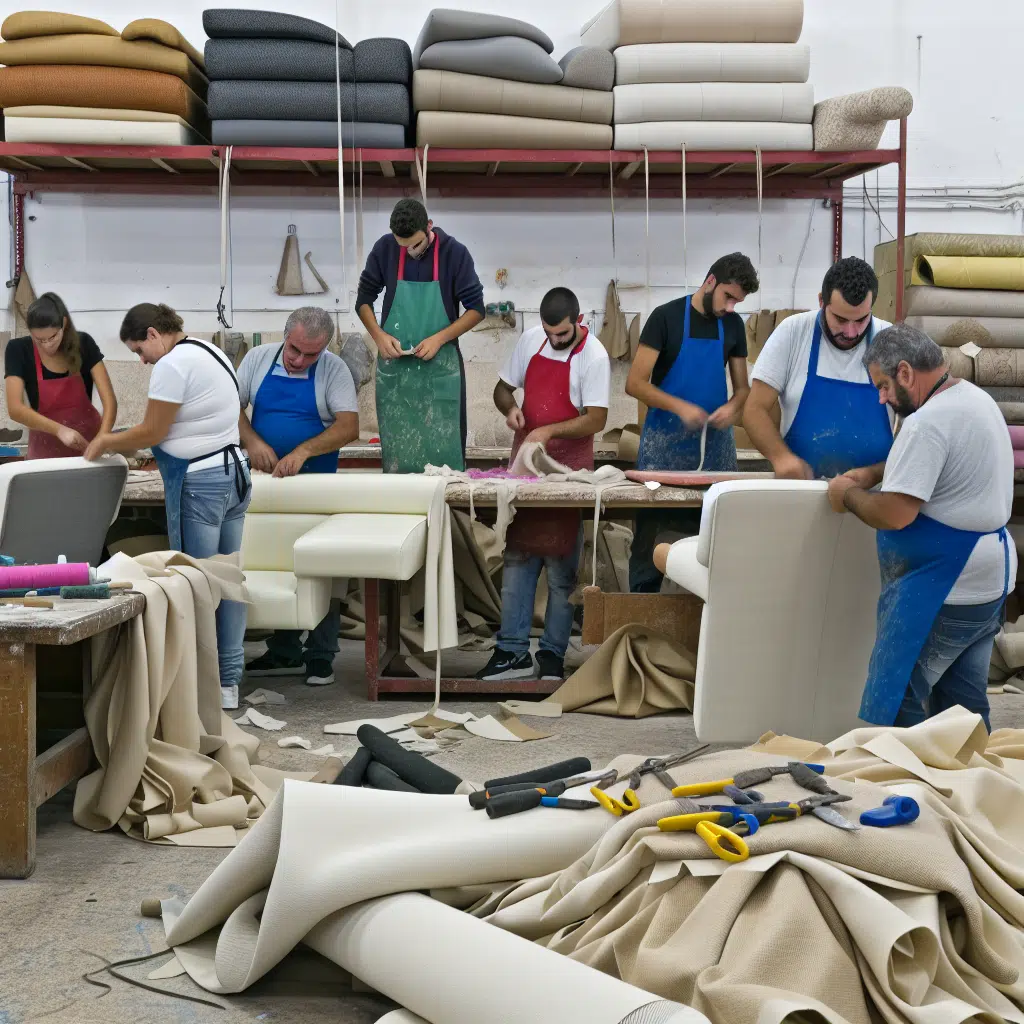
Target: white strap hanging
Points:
(611, 192)
(686, 278)
(647, 226)
(344, 307)
(225, 234)
(760, 220)
(421, 171)
(359, 215)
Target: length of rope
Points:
(341, 154)
(225, 232)
(760, 203)
(686, 279)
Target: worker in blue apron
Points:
(952, 460)
(690, 416)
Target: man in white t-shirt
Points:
(565, 375)
(812, 365)
(946, 561)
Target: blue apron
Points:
(697, 376)
(285, 415)
(919, 565)
(173, 469)
(839, 424)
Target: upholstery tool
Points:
(724, 844)
(710, 826)
(28, 602)
(808, 778)
(726, 817)
(504, 804)
(380, 776)
(657, 764)
(92, 592)
(743, 796)
(482, 798)
(410, 767)
(355, 771)
(741, 780)
(567, 803)
(896, 810)
(550, 773)
(627, 804)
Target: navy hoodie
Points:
(456, 275)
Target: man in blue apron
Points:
(941, 512)
(304, 409)
(425, 275)
(678, 373)
(812, 370)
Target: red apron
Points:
(546, 400)
(65, 401)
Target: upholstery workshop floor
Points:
(82, 902)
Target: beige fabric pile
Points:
(921, 923)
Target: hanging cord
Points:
(803, 249)
(359, 215)
(111, 968)
(341, 153)
(683, 158)
(760, 222)
(225, 233)
(611, 192)
(647, 227)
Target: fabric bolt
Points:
(444, 24)
(714, 101)
(459, 130)
(307, 134)
(162, 32)
(28, 24)
(511, 57)
(1000, 273)
(103, 51)
(121, 88)
(625, 22)
(477, 94)
(712, 62)
(588, 67)
(727, 135)
(383, 103)
(926, 300)
(857, 121)
(985, 331)
(241, 23)
(99, 131)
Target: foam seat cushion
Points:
(281, 600)
(712, 62)
(97, 131)
(714, 101)
(727, 135)
(163, 32)
(241, 23)
(512, 57)
(307, 134)
(475, 94)
(624, 22)
(298, 60)
(444, 24)
(384, 102)
(364, 546)
(27, 24)
(483, 131)
(588, 67)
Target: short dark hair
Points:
(408, 217)
(735, 269)
(559, 304)
(852, 278)
(49, 311)
(138, 320)
(902, 343)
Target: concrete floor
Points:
(82, 902)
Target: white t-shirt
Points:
(208, 418)
(955, 454)
(782, 364)
(590, 373)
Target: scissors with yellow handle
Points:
(712, 827)
(628, 803)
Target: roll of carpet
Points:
(410, 767)
(1010, 402)
(984, 331)
(926, 300)
(1017, 437)
(999, 273)
(960, 365)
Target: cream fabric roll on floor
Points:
(467, 131)
(99, 132)
(985, 331)
(730, 135)
(714, 101)
(712, 62)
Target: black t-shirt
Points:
(664, 333)
(20, 361)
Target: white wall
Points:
(104, 253)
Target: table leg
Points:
(371, 597)
(17, 760)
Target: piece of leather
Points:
(712, 62)
(727, 135)
(377, 102)
(242, 23)
(311, 134)
(467, 131)
(28, 24)
(365, 546)
(444, 24)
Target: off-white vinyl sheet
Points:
(98, 132)
(728, 135)
(712, 62)
(714, 101)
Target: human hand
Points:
(290, 464)
(792, 467)
(837, 488)
(261, 456)
(692, 415)
(724, 416)
(862, 477)
(428, 347)
(542, 435)
(97, 447)
(515, 420)
(72, 439)
(389, 347)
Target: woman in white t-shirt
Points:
(191, 424)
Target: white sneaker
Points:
(229, 698)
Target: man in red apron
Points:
(565, 375)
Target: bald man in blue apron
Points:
(941, 512)
(304, 409)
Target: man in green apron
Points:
(426, 275)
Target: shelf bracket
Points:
(164, 165)
(387, 168)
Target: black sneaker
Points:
(271, 665)
(319, 673)
(549, 666)
(506, 665)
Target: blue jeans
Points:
(212, 517)
(519, 591)
(953, 665)
(321, 643)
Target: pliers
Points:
(627, 804)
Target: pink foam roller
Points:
(62, 574)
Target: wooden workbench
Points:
(32, 641)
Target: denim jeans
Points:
(321, 643)
(211, 524)
(953, 665)
(519, 591)
(648, 523)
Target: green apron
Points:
(419, 401)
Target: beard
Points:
(841, 342)
(904, 405)
(417, 251)
(709, 307)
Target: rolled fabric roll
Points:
(984, 331)
(412, 768)
(1018, 459)
(999, 367)
(960, 365)
(1017, 437)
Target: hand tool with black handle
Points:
(481, 798)
(549, 773)
(742, 780)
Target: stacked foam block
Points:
(273, 82)
(486, 81)
(74, 80)
(966, 292)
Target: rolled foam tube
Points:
(549, 773)
(380, 776)
(412, 768)
(440, 963)
(355, 770)
(61, 574)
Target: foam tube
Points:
(355, 768)
(380, 776)
(451, 968)
(59, 574)
(550, 773)
(410, 767)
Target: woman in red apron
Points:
(548, 539)
(50, 377)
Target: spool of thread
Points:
(68, 574)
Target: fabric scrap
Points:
(325, 751)
(507, 730)
(535, 709)
(386, 725)
(295, 741)
(258, 697)
(260, 721)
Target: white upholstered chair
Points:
(790, 591)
